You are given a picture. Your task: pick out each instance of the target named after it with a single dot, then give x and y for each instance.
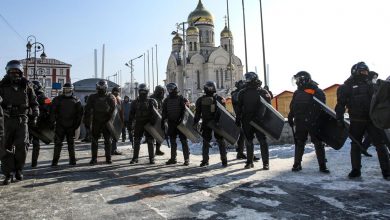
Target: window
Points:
(217, 76)
(62, 81)
(190, 46)
(200, 36)
(225, 46)
(195, 46)
(226, 75)
(48, 82)
(198, 79)
(207, 37)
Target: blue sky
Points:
(323, 37)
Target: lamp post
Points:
(130, 65)
(37, 48)
(181, 26)
(262, 41)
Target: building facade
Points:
(48, 71)
(195, 59)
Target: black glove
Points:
(340, 123)
(291, 121)
(238, 122)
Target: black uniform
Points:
(18, 98)
(44, 112)
(67, 113)
(141, 111)
(241, 138)
(100, 108)
(206, 108)
(87, 137)
(251, 109)
(2, 149)
(304, 113)
(356, 94)
(173, 110)
(159, 97)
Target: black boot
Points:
(93, 161)
(7, 180)
(133, 161)
(19, 175)
(323, 168)
(224, 163)
(386, 174)
(241, 156)
(158, 151)
(266, 166)
(204, 163)
(186, 162)
(54, 163)
(296, 167)
(354, 174)
(171, 161)
(34, 163)
(249, 165)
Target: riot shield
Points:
(329, 132)
(155, 130)
(225, 126)
(272, 123)
(115, 124)
(186, 128)
(43, 131)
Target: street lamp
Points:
(181, 26)
(130, 65)
(37, 48)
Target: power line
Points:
(12, 28)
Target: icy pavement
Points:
(143, 191)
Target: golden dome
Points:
(226, 33)
(200, 15)
(192, 30)
(177, 39)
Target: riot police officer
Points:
(67, 113)
(250, 108)
(240, 142)
(356, 95)
(173, 110)
(18, 98)
(115, 91)
(100, 108)
(44, 112)
(304, 114)
(126, 114)
(206, 108)
(141, 111)
(158, 95)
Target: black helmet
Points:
(172, 88)
(240, 84)
(115, 89)
(36, 85)
(210, 87)
(67, 89)
(355, 70)
(159, 91)
(302, 78)
(251, 78)
(14, 65)
(143, 88)
(102, 85)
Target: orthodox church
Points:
(195, 59)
